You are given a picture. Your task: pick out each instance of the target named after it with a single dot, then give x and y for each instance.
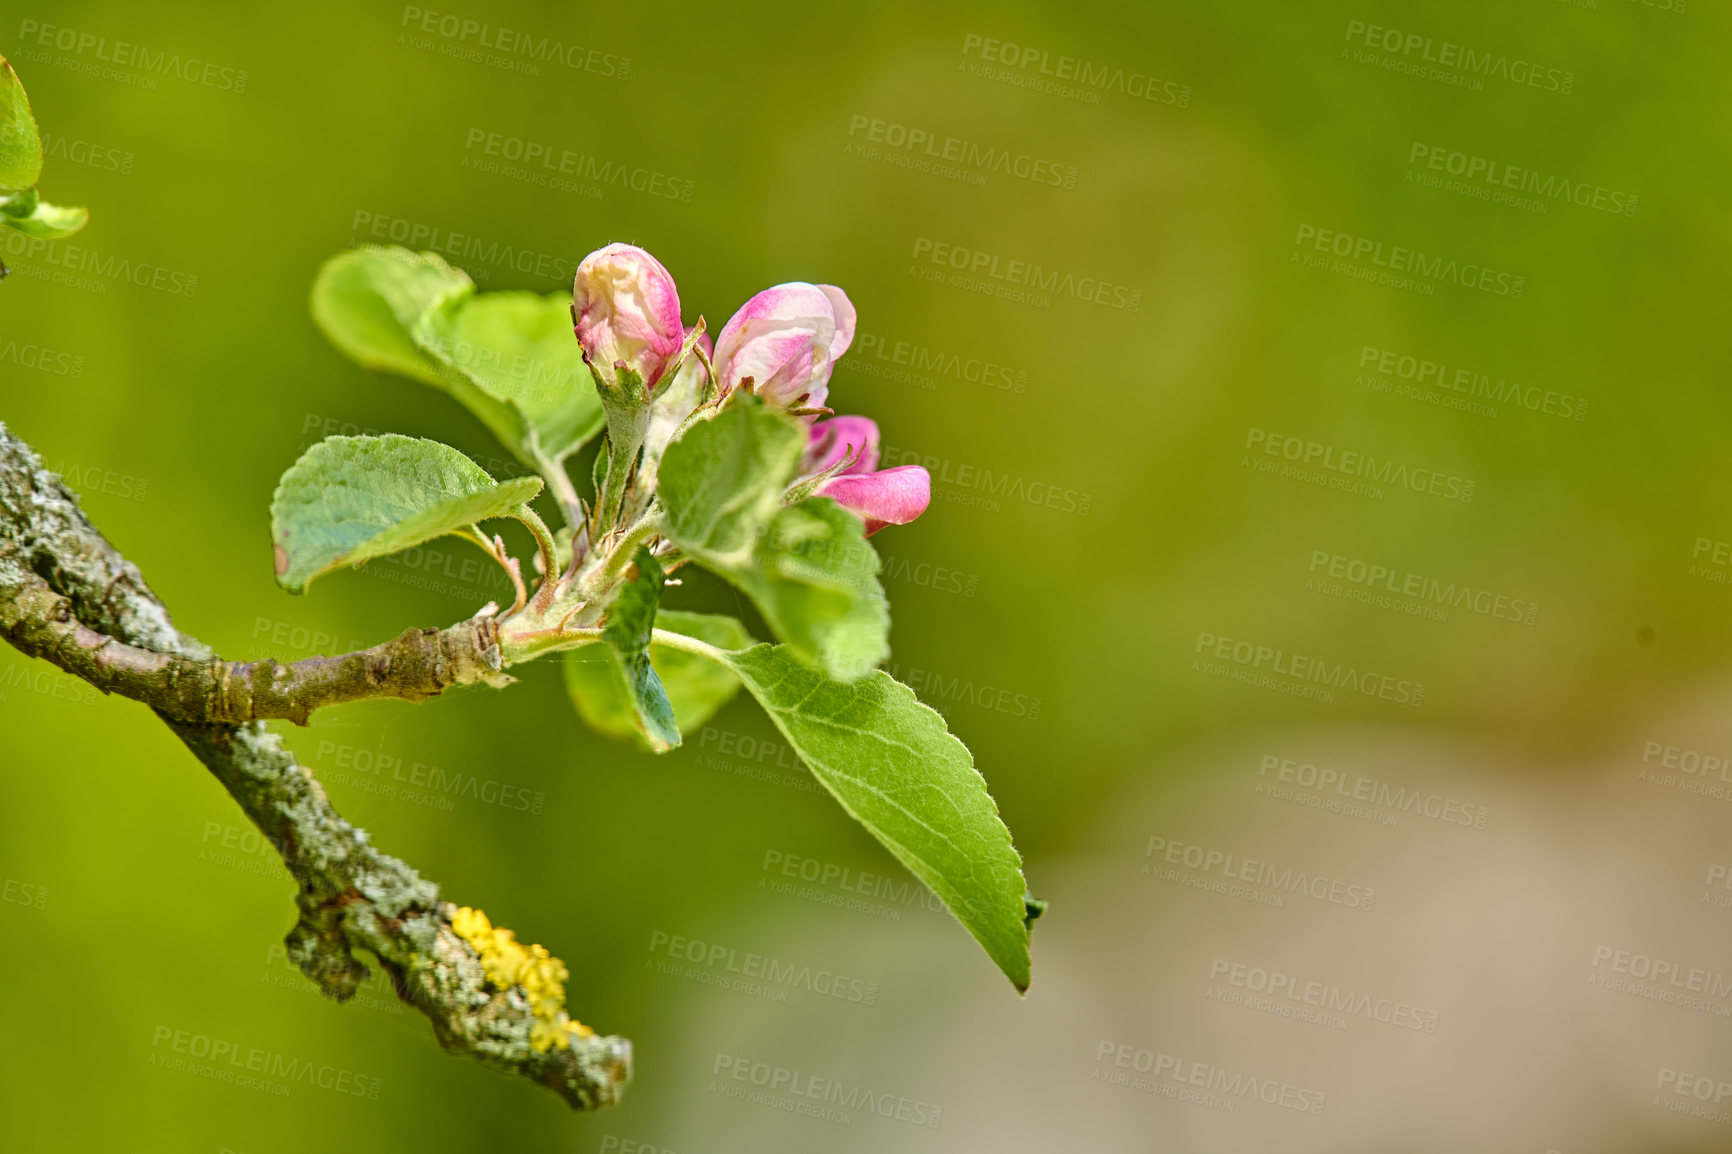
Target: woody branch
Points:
(66, 594)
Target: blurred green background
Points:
(174, 412)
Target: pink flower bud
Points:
(848, 441)
(879, 498)
(786, 339)
(627, 311)
(891, 497)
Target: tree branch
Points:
(419, 664)
(70, 596)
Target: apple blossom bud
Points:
(847, 449)
(626, 312)
(786, 339)
(891, 497)
(848, 442)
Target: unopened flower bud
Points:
(848, 442)
(786, 340)
(847, 449)
(627, 313)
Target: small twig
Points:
(416, 665)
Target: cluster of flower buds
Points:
(782, 346)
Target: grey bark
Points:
(66, 594)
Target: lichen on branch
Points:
(66, 594)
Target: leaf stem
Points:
(564, 492)
(646, 527)
(549, 557)
(476, 537)
(690, 645)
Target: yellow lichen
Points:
(507, 963)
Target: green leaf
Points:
(20, 144)
(696, 686)
(898, 771)
(48, 221)
(627, 633)
(518, 349)
(21, 167)
(722, 482)
(509, 358)
(596, 682)
(368, 299)
(350, 499)
(808, 568)
(814, 577)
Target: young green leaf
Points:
(48, 221)
(814, 577)
(368, 302)
(807, 568)
(368, 299)
(20, 144)
(722, 481)
(696, 686)
(350, 499)
(898, 771)
(627, 634)
(21, 166)
(517, 347)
